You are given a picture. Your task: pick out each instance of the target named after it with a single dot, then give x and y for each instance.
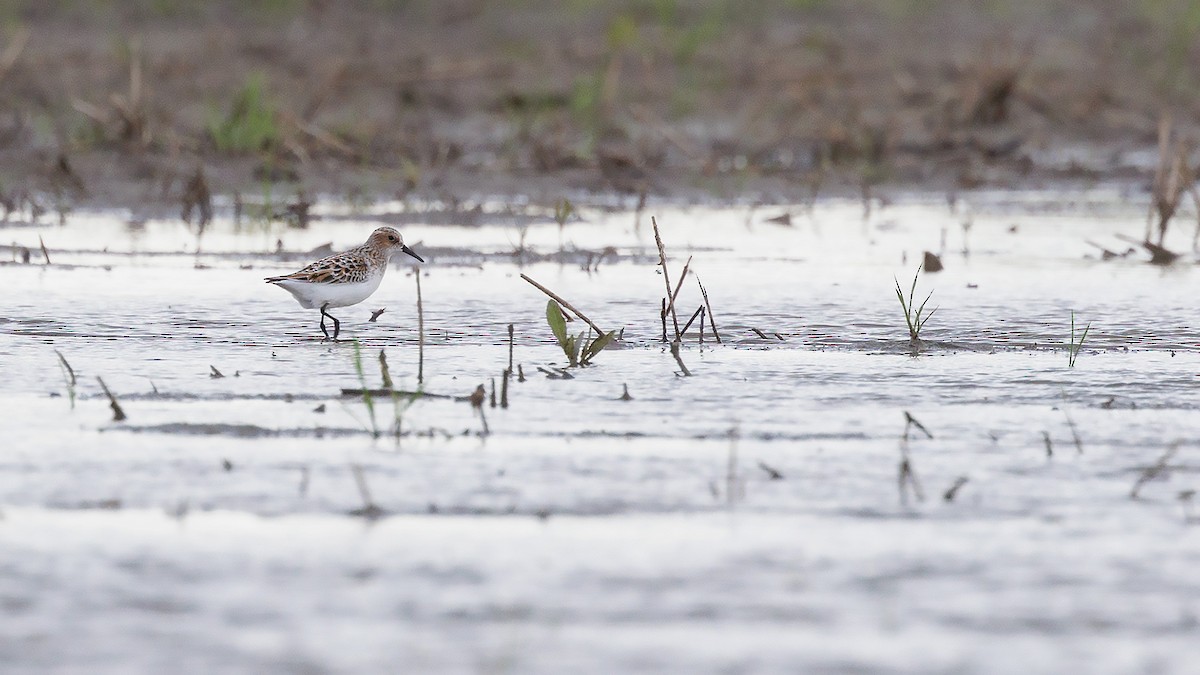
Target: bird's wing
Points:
(336, 269)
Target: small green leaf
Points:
(597, 345)
(558, 324)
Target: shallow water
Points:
(585, 532)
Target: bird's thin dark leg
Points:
(323, 328)
(337, 325)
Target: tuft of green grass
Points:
(362, 381)
(1074, 347)
(914, 316)
(579, 349)
(251, 124)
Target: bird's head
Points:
(389, 240)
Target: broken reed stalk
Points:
(68, 375)
(952, 491)
(675, 295)
(510, 347)
(662, 313)
(695, 315)
(504, 377)
(712, 324)
(675, 353)
(564, 303)
(420, 329)
(118, 414)
(45, 253)
(662, 261)
(701, 325)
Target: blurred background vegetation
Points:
(631, 95)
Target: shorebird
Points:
(345, 278)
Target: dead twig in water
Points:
(118, 414)
(675, 353)
(1049, 445)
(45, 253)
(68, 375)
(1159, 468)
(952, 491)
(420, 329)
(696, 314)
(504, 377)
(675, 295)
(708, 306)
(375, 315)
(510, 347)
(564, 303)
(662, 261)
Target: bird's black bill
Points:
(410, 252)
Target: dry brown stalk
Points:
(118, 414)
(420, 329)
(708, 307)
(555, 297)
(662, 261)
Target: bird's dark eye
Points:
(391, 238)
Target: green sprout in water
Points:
(914, 316)
(366, 392)
(578, 348)
(1074, 347)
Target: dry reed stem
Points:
(712, 323)
(675, 295)
(505, 377)
(510, 347)
(420, 329)
(662, 261)
(118, 414)
(564, 303)
(45, 253)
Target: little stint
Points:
(346, 278)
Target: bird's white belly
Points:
(314, 296)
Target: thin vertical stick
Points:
(420, 329)
(504, 388)
(701, 325)
(679, 285)
(44, 251)
(662, 261)
(662, 314)
(711, 323)
(118, 414)
(510, 347)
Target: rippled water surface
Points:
(748, 518)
